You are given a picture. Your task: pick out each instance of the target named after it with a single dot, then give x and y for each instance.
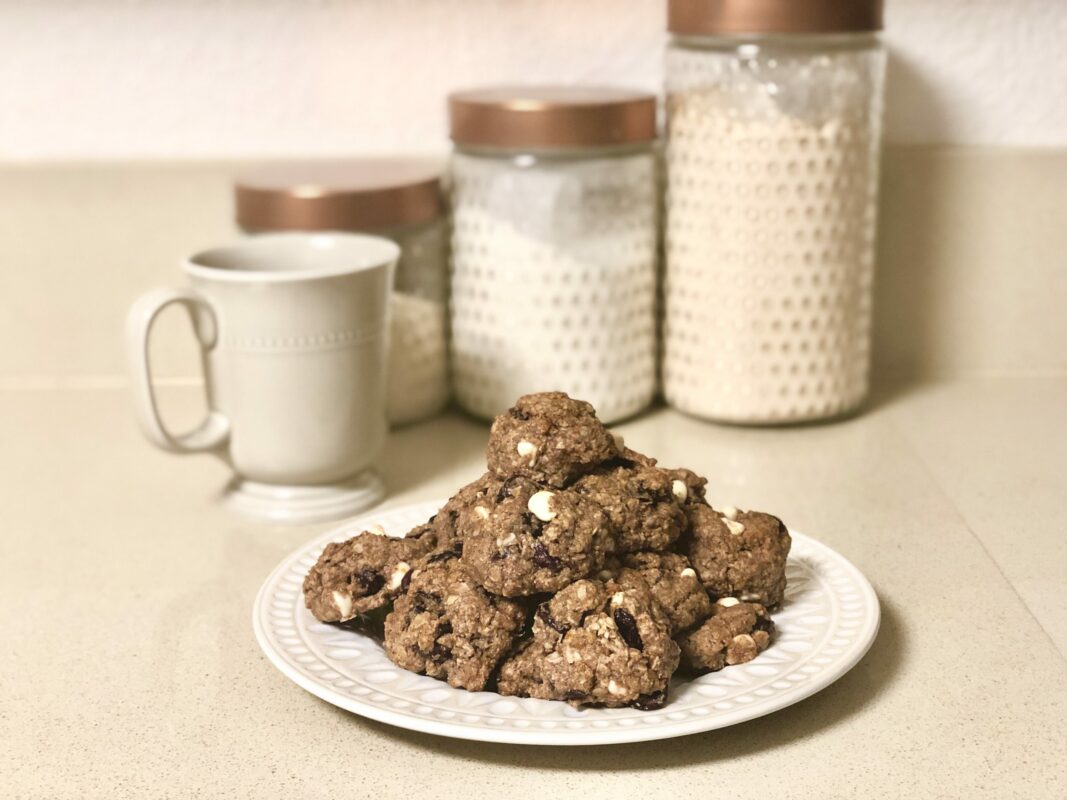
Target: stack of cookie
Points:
(575, 569)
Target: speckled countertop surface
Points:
(129, 668)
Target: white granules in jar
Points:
(418, 384)
(418, 359)
(769, 259)
(553, 284)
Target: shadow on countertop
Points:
(856, 690)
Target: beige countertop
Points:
(130, 669)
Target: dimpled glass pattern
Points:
(553, 284)
(772, 179)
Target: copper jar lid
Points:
(773, 16)
(551, 117)
(358, 195)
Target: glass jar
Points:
(398, 199)
(554, 247)
(774, 127)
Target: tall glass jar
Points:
(554, 247)
(774, 127)
(397, 198)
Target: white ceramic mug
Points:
(293, 331)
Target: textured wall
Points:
(192, 78)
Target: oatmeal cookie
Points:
(361, 574)
(548, 438)
(527, 539)
(640, 502)
(453, 519)
(674, 585)
(688, 487)
(736, 632)
(446, 626)
(738, 553)
(596, 643)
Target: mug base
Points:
(305, 504)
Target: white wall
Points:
(251, 78)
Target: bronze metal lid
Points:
(551, 116)
(773, 16)
(359, 195)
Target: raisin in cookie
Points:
(738, 553)
(737, 632)
(596, 643)
(448, 627)
(530, 540)
(361, 574)
(674, 585)
(640, 502)
(548, 438)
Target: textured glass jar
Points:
(554, 261)
(772, 171)
(397, 198)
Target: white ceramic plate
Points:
(826, 624)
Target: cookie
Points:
(674, 585)
(738, 553)
(736, 632)
(446, 626)
(526, 539)
(640, 502)
(548, 438)
(453, 518)
(687, 486)
(361, 574)
(595, 643)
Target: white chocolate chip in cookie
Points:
(680, 490)
(375, 528)
(402, 569)
(689, 572)
(730, 512)
(344, 605)
(504, 541)
(726, 602)
(620, 443)
(617, 598)
(540, 505)
(736, 528)
(525, 448)
(614, 688)
(482, 512)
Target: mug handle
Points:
(214, 431)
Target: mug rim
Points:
(388, 252)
